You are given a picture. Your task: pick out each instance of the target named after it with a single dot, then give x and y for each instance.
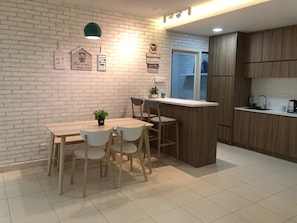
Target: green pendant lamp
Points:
(92, 30)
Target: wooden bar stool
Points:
(161, 124)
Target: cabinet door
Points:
(272, 45)
(273, 69)
(290, 43)
(258, 131)
(254, 47)
(241, 128)
(221, 90)
(228, 57)
(254, 70)
(222, 54)
(293, 138)
(213, 55)
(277, 135)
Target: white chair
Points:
(126, 145)
(97, 147)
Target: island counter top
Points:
(184, 102)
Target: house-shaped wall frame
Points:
(81, 59)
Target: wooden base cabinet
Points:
(269, 134)
(293, 139)
(241, 128)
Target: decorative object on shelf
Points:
(59, 58)
(81, 59)
(154, 92)
(92, 30)
(100, 116)
(153, 58)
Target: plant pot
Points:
(154, 95)
(100, 121)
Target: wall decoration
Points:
(101, 62)
(81, 59)
(59, 58)
(153, 59)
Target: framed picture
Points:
(81, 59)
(101, 62)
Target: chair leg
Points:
(159, 142)
(142, 165)
(177, 142)
(50, 155)
(100, 165)
(120, 170)
(85, 178)
(73, 168)
(131, 162)
(57, 148)
(109, 169)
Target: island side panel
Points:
(197, 133)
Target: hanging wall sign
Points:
(59, 58)
(81, 59)
(101, 60)
(153, 59)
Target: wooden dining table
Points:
(64, 130)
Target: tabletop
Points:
(73, 128)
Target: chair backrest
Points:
(136, 102)
(131, 133)
(154, 107)
(97, 138)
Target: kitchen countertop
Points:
(270, 111)
(184, 102)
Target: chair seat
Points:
(93, 153)
(128, 148)
(144, 115)
(163, 119)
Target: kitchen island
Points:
(197, 129)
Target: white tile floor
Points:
(241, 187)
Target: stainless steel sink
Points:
(258, 108)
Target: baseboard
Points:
(23, 165)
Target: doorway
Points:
(189, 75)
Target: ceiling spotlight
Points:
(217, 30)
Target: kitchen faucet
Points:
(265, 100)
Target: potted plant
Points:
(100, 116)
(154, 92)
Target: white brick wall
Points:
(33, 93)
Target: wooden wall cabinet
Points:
(254, 47)
(289, 51)
(226, 82)
(272, 53)
(272, 45)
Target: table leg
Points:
(61, 167)
(50, 154)
(147, 148)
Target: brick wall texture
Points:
(33, 93)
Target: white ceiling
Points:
(271, 14)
